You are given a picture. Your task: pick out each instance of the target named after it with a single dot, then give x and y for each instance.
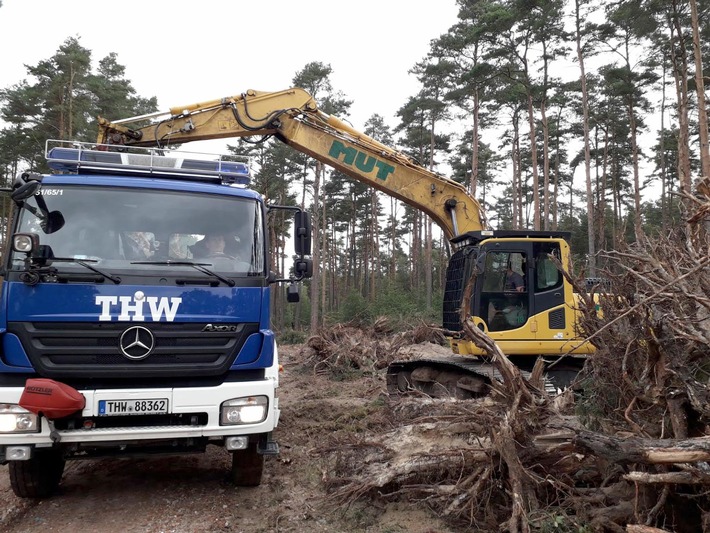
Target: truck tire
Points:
(39, 476)
(247, 467)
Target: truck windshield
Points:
(122, 229)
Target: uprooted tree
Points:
(628, 449)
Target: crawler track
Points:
(458, 377)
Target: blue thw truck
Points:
(124, 331)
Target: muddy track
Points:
(192, 494)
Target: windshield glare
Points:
(119, 228)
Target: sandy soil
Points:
(192, 494)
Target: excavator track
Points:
(449, 377)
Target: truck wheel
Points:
(247, 467)
(39, 476)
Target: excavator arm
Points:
(293, 117)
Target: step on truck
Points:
(135, 312)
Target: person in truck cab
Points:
(212, 245)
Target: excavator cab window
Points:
(547, 275)
(504, 291)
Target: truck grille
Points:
(83, 350)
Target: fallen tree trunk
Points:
(646, 451)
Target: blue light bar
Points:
(77, 159)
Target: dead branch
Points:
(682, 478)
(637, 528)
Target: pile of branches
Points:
(627, 450)
(496, 464)
(651, 369)
(349, 346)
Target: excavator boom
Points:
(293, 117)
(539, 321)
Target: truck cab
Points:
(134, 313)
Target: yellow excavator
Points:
(520, 298)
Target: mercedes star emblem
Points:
(137, 343)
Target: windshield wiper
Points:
(202, 267)
(85, 264)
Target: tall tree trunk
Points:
(616, 200)
(70, 98)
(638, 229)
(276, 258)
(533, 162)
(517, 221)
(429, 264)
(324, 254)
(662, 156)
(679, 56)
(416, 251)
(393, 238)
(545, 165)
(591, 250)
(428, 271)
(375, 241)
(475, 143)
(556, 181)
(602, 190)
(354, 257)
(700, 90)
(315, 280)
(336, 289)
(545, 139)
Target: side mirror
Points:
(54, 221)
(302, 265)
(293, 294)
(302, 233)
(25, 191)
(44, 254)
(303, 268)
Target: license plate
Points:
(155, 406)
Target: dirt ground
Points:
(192, 494)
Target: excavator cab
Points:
(519, 297)
(519, 283)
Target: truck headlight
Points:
(249, 410)
(16, 419)
(25, 242)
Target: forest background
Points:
(573, 115)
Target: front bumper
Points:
(202, 401)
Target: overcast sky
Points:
(184, 51)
